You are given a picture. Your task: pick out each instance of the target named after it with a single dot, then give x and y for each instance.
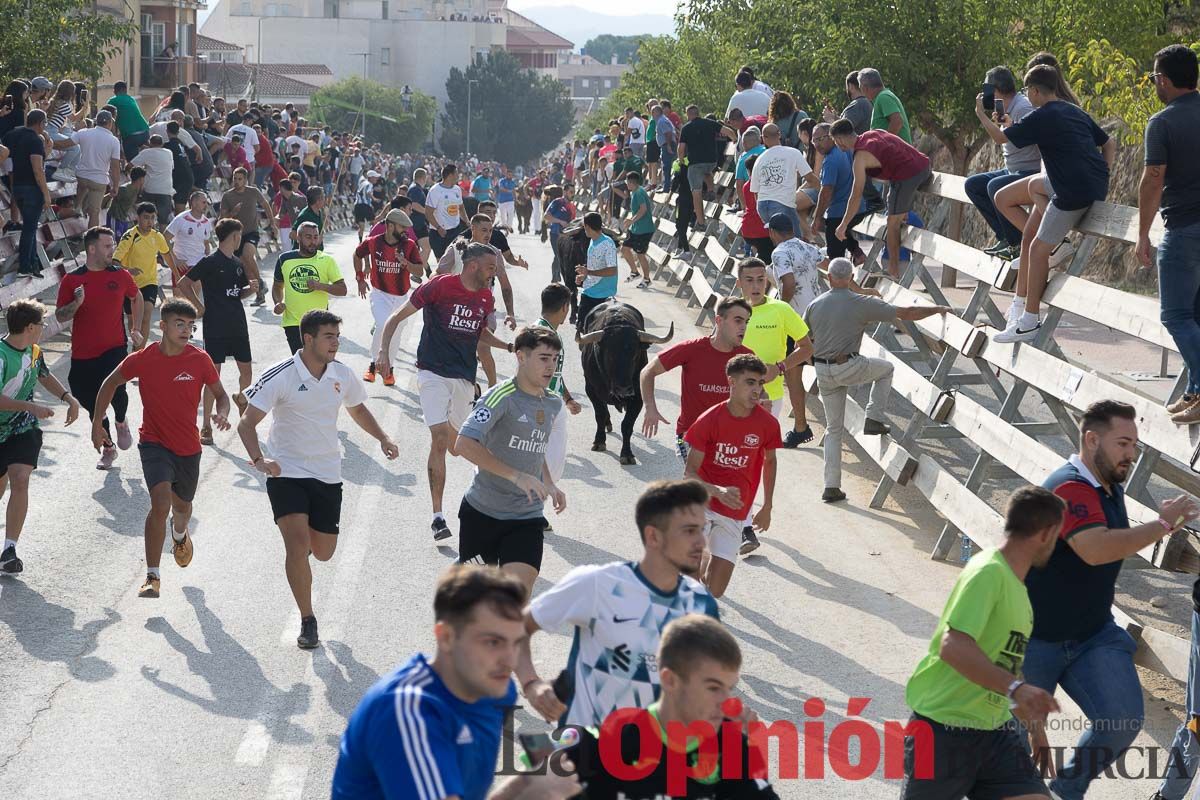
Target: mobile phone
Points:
(536, 745)
(999, 109)
(8, 101)
(989, 97)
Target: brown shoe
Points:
(206, 435)
(151, 587)
(1189, 416)
(182, 551)
(1185, 402)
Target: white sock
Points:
(9, 543)
(153, 571)
(177, 536)
(439, 515)
(1018, 305)
(1028, 321)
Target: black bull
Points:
(613, 345)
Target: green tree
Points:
(398, 125)
(59, 38)
(697, 67)
(516, 114)
(606, 45)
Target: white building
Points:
(395, 42)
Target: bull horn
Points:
(650, 338)
(590, 338)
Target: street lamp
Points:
(470, 83)
(406, 99)
(362, 112)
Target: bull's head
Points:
(619, 349)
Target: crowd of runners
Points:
(1023, 620)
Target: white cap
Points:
(373, 174)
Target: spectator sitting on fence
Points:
(1078, 174)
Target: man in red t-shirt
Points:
(884, 156)
(393, 260)
(171, 377)
(98, 342)
(703, 383)
(733, 448)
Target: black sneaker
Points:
(308, 639)
(9, 562)
(873, 427)
(832, 495)
(440, 529)
(749, 541)
(259, 300)
(796, 438)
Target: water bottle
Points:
(964, 548)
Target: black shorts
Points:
(321, 501)
(21, 449)
(439, 243)
(294, 339)
(487, 540)
(220, 347)
(363, 212)
(586, 304)
(981, 765)
(248, 240)
(638, 242)
(149, 294)
(160, 465)
(653, 153)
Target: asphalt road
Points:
(203, 693)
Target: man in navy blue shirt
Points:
(1076, 644)
(1075, 176)
(431, 729)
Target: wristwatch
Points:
(1012, 688)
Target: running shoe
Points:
(369, 375)
(239, 400)
(182, 551)
(124, 436)
(1017, 334)
(9, 562)
(308, 639)
(390, 379)
(750, 541)
(873, 427)
(996, 247)
(206, 436)
(1185, 402)
(644, 284)
(151, 587)
(11, 227)
(107, 456)
(832, 495)
(440, 529)
(796, 438)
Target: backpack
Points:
(790, 131)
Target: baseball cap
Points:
(398, 217)
(103, 117)
(781, 223)
(42, 83)
(373, 174)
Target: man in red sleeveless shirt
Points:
(884, 156)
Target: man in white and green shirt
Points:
(22, 368)
(556, 304)
(967, 690)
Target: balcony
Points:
(171, 73)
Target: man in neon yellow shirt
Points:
(967, 693)
(138, 252)
(304, 280)
(772, 323)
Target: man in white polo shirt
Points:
(189, 234)
(304, 474)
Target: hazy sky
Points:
(623, 7)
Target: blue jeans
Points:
(31, 202)
(1185, 750)
(132, 144)
(67, 159)
(668, 161)
(982, 190)
(1098, 674)
(1179, 295)
(769, 208)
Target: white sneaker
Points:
(1014, 333)
(107, 456)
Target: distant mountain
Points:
(579, 24)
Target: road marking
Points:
(287, 781)
(254, 746)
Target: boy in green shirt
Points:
(967, 690)
(639, 229)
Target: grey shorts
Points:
(160, 465)
(902, 194)
(1056, 223)
(697, 174)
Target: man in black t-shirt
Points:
(698, 144)
(28, 183)
(416, 193)
(223, 280)
(698, 666)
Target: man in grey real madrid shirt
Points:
(500, 518)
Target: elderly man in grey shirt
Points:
(837, 320)
(1019, 162)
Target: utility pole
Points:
(362, 113)
(470, 83)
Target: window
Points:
(245, 9)
(583, 83)
(331, 9)
(385, 56)
(383, 11)
(272, 10)
(607, 83)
